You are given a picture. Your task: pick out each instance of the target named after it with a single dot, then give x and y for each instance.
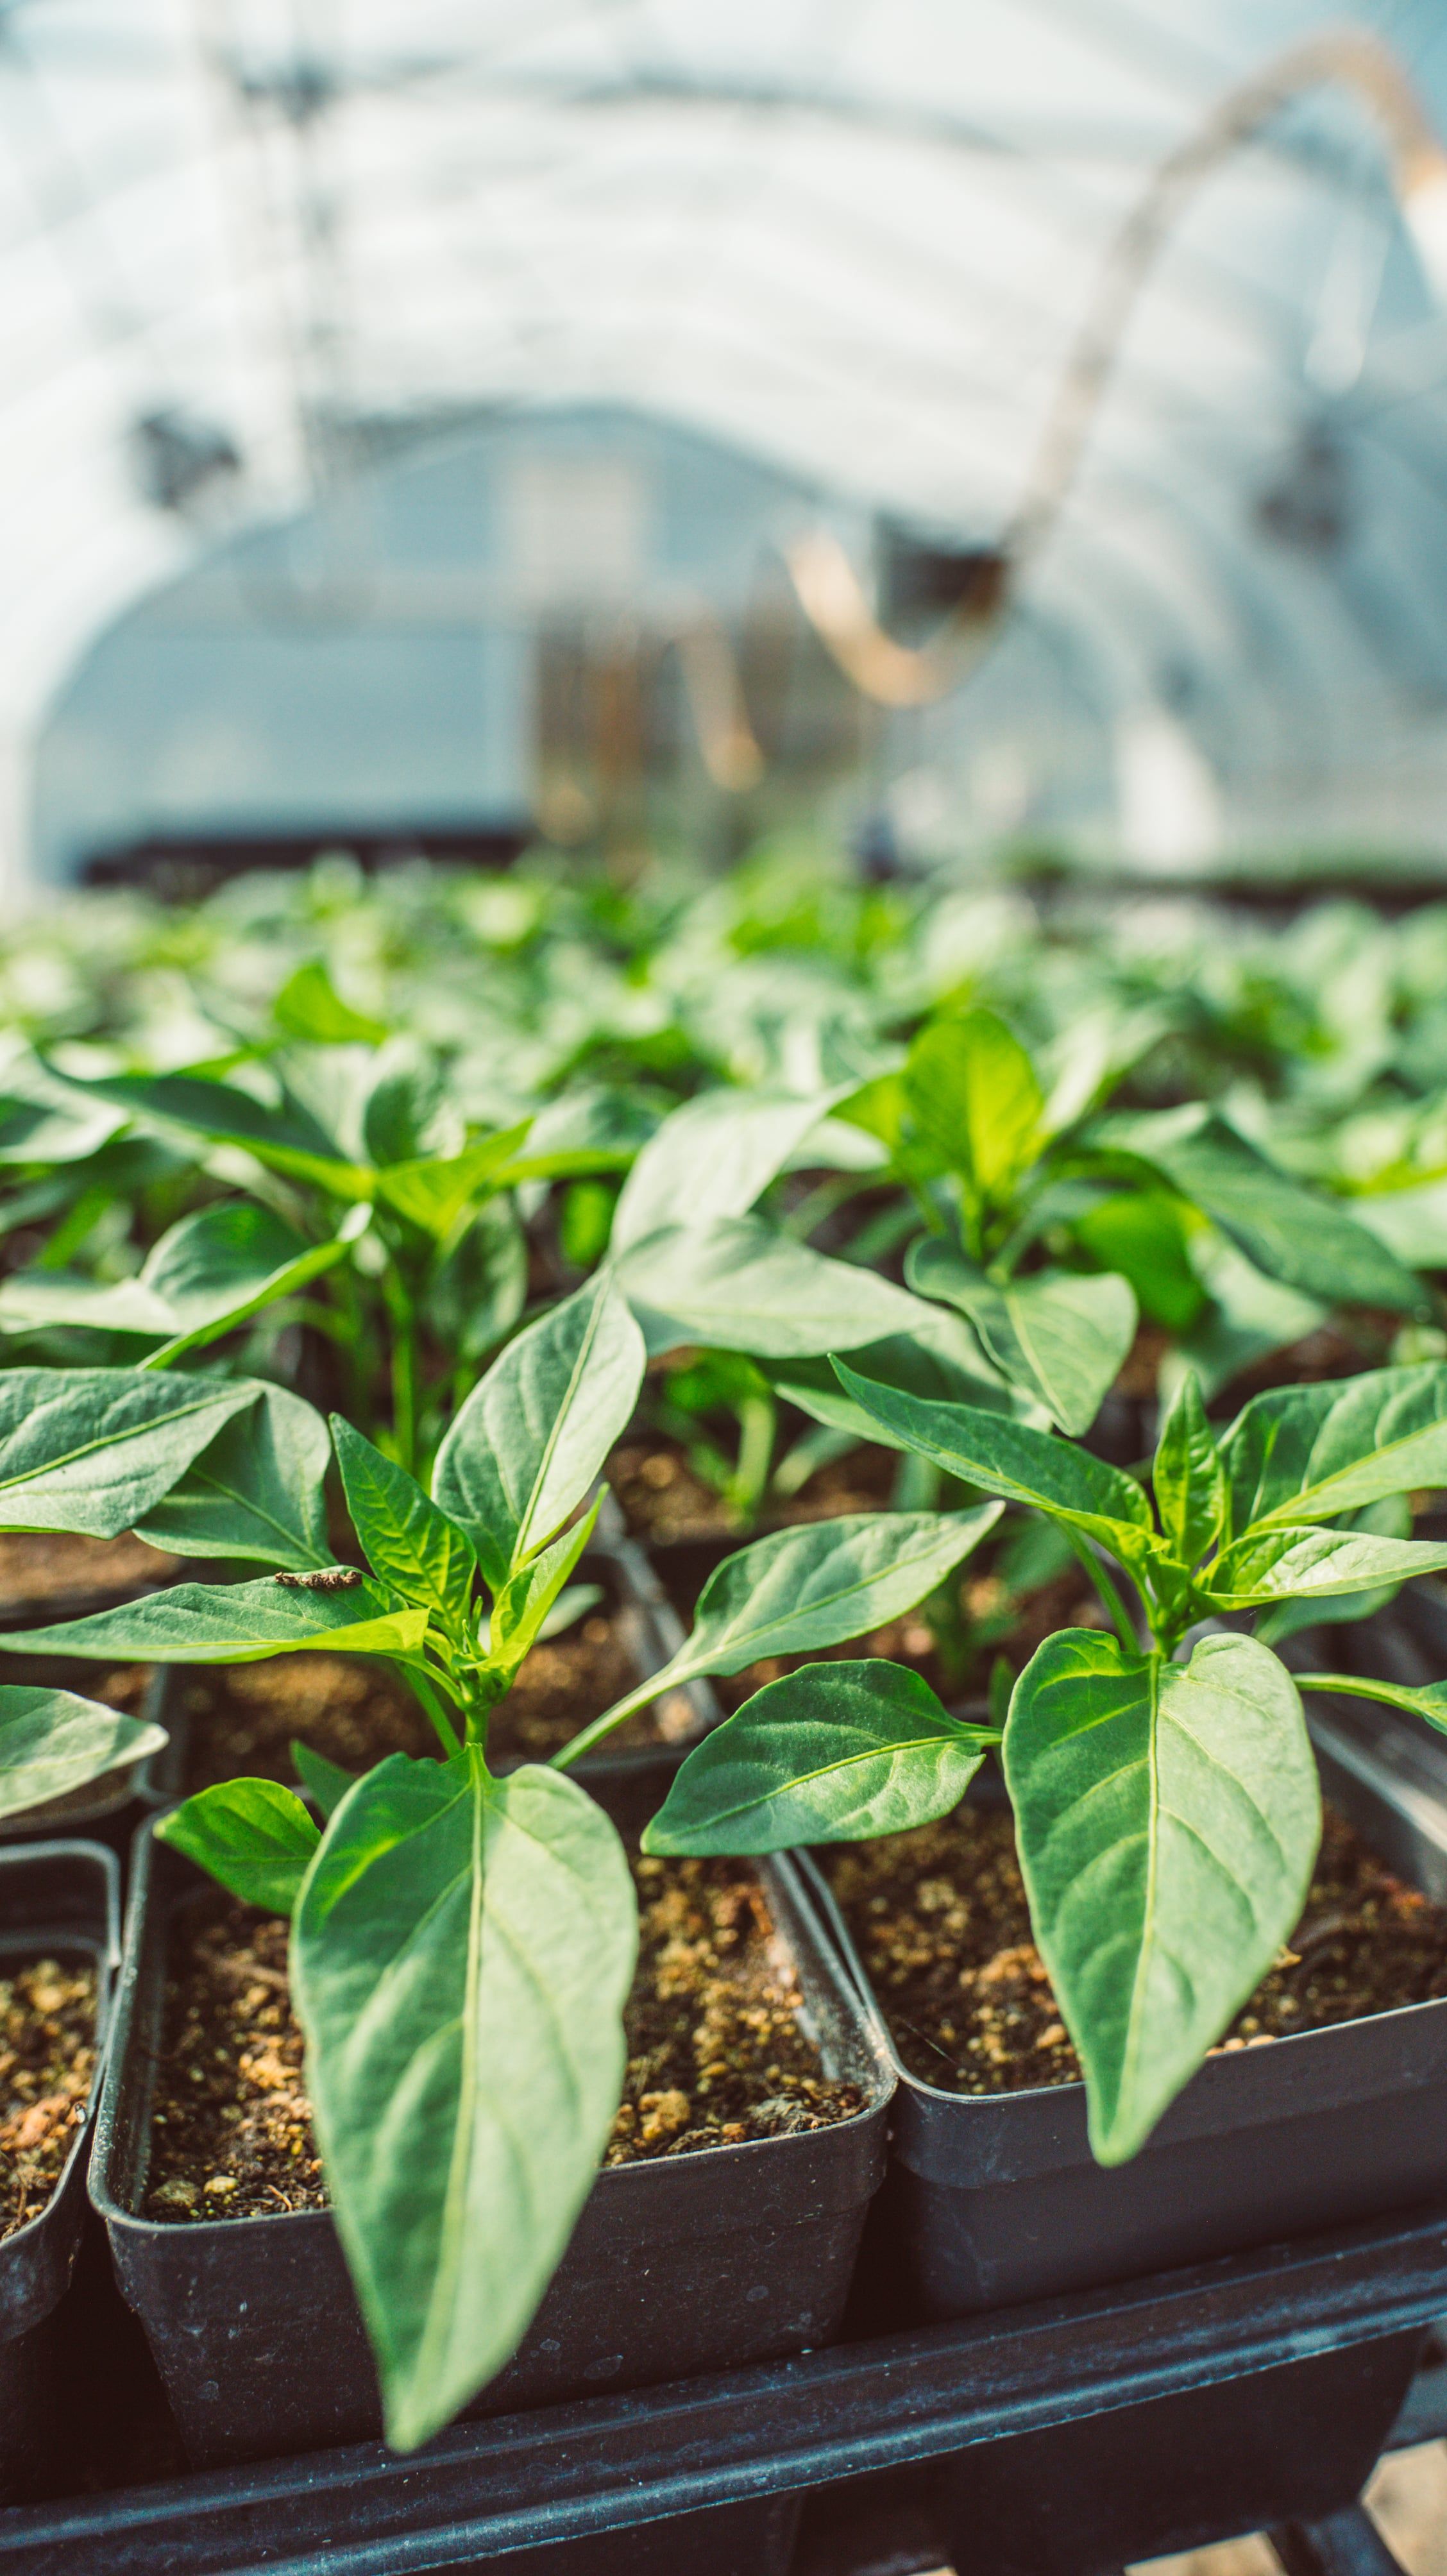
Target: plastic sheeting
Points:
(854, 236)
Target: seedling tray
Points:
(583, 2490)
(57, 1899)
(676, 2265)
(993, 2198)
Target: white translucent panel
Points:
(856, 239)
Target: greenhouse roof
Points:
(857, 236)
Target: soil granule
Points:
(52, 1567)
(661, 1498)
(943, 1928)
(47, 2060)
(243, 1716)
(716, 2052)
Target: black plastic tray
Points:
(680, 2265)
(60, 1898)
(498, 2494)
(993, 2198)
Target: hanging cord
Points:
(828, 587)
(713, 685)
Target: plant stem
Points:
(1350, 1683)
(402, 1319)
(758, 1420)
(568, 1754)
(419, 1683)
(1120, 1618)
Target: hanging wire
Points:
(713, 686)
(829, 588)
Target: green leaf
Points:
(1188, 1477)
(225, 1263)
(407, 1541)
(973, 1091)
(94, 1450)
(51, 1742)
(738, 1285)
(256, 1492)
(236, 1623)
(521, 1611)
(286, 1139)
(941, 1362)
(827, 1755)
(461, 1957)
(1019, 1464)
(408, 1115)
(255, 1837)
(1292, 1233)
(1411, 1222)
(1282, 1564)
(586, 1130)
(711, 1158)
(1391, 1518)
(308, 1006)
(1060, 1335)
(46, 1301)
(42, 1120)
(800, 1590)
(479, 1287)
(1140, 1234)
(1167, 1818)
(326, 1781)
(435, 1191)
(1249, 1316)
(1308, 1453)
(534, 1433)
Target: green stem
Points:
(1353, 1687)
(1120, 1618)
(668, 1679)
(419, 1683)
(758, 1421)
(403, 1338)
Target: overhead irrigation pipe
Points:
(829, 589)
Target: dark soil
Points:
(661, 1498)
(231, 2131)
(943, 1928)
(716, 2053)
(244, 1716)
(50, 1567)
(715, 2050)
(47, 2060)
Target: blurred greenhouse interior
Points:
(723, 1287)
(638, 425)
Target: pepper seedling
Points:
(1000, 1167)
(1166, 1801)
(463, 1939)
